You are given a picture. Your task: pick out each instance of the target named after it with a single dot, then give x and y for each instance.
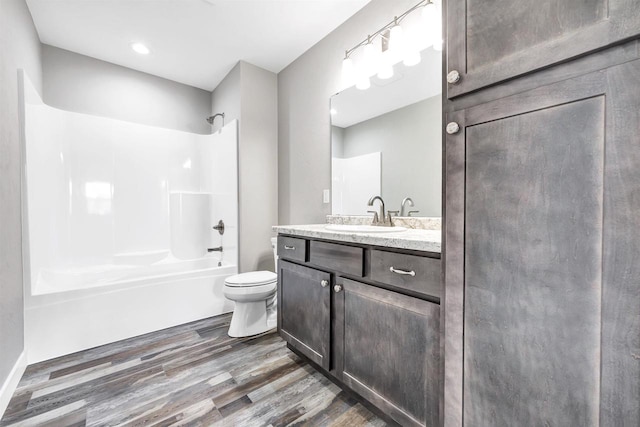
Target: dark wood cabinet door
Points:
(304, 317)
(391, 351)
(542, 280)
(492, 41)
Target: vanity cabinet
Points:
(390, 352)
(373, 330)
(490, 42)
(303, 310)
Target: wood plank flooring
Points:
(189, 375)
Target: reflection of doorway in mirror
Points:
(355, 180)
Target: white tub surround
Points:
(413, 239)
(118, 218)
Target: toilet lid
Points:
(254, 278)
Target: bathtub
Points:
(119, 301)
(112, 249)
(133, 268)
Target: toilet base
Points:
(251, 318)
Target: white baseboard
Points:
(9, 386)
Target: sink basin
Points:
(347, 228)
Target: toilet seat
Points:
(251, 279)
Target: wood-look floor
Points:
(192, 374)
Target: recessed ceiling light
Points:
(140, 48)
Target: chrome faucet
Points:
(380, 219)
(403, 208)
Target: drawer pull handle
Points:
(290, 248)
(337, 288)
(324, 283)
(402, 272)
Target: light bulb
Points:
(371, 59)
(363, 82)
(435, 26)
(348, 73)
(430, 14)
(385, 71)
(411, 58)
(396, 41)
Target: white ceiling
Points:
(195, 42)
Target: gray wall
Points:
(249, 94)
(226, 97)
(410, 141)
(304, 89)
(258, 167)
(82, 84)
(19, 48)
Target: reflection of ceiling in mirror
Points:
(407, 86)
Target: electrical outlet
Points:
(326, 196)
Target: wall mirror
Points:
(386, 140)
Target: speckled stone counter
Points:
(425, 223)
(418, 240)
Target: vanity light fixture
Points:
(363, 82)
(140, 48)
(397, 45)
(432, 16)
(369, 65)
(348, 71)
(396, 40)
(412, 58)
(371, 57)
(385, 71)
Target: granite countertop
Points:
(414, 239)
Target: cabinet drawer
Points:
(410, 272)
(341, 258)
(292, 248)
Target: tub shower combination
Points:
(119, 218)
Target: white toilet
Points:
(254, 294)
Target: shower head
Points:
(212, 118)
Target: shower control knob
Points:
(324, 283)
(453, 77)
(337, 288)
(219, 227)
(453, 128)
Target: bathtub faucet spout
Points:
(218, 249)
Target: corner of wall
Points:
(11, 383)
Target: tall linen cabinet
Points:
(542, 213)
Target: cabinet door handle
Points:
(337, 288)
(290, 248)
(402, 272)
(324, 283)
